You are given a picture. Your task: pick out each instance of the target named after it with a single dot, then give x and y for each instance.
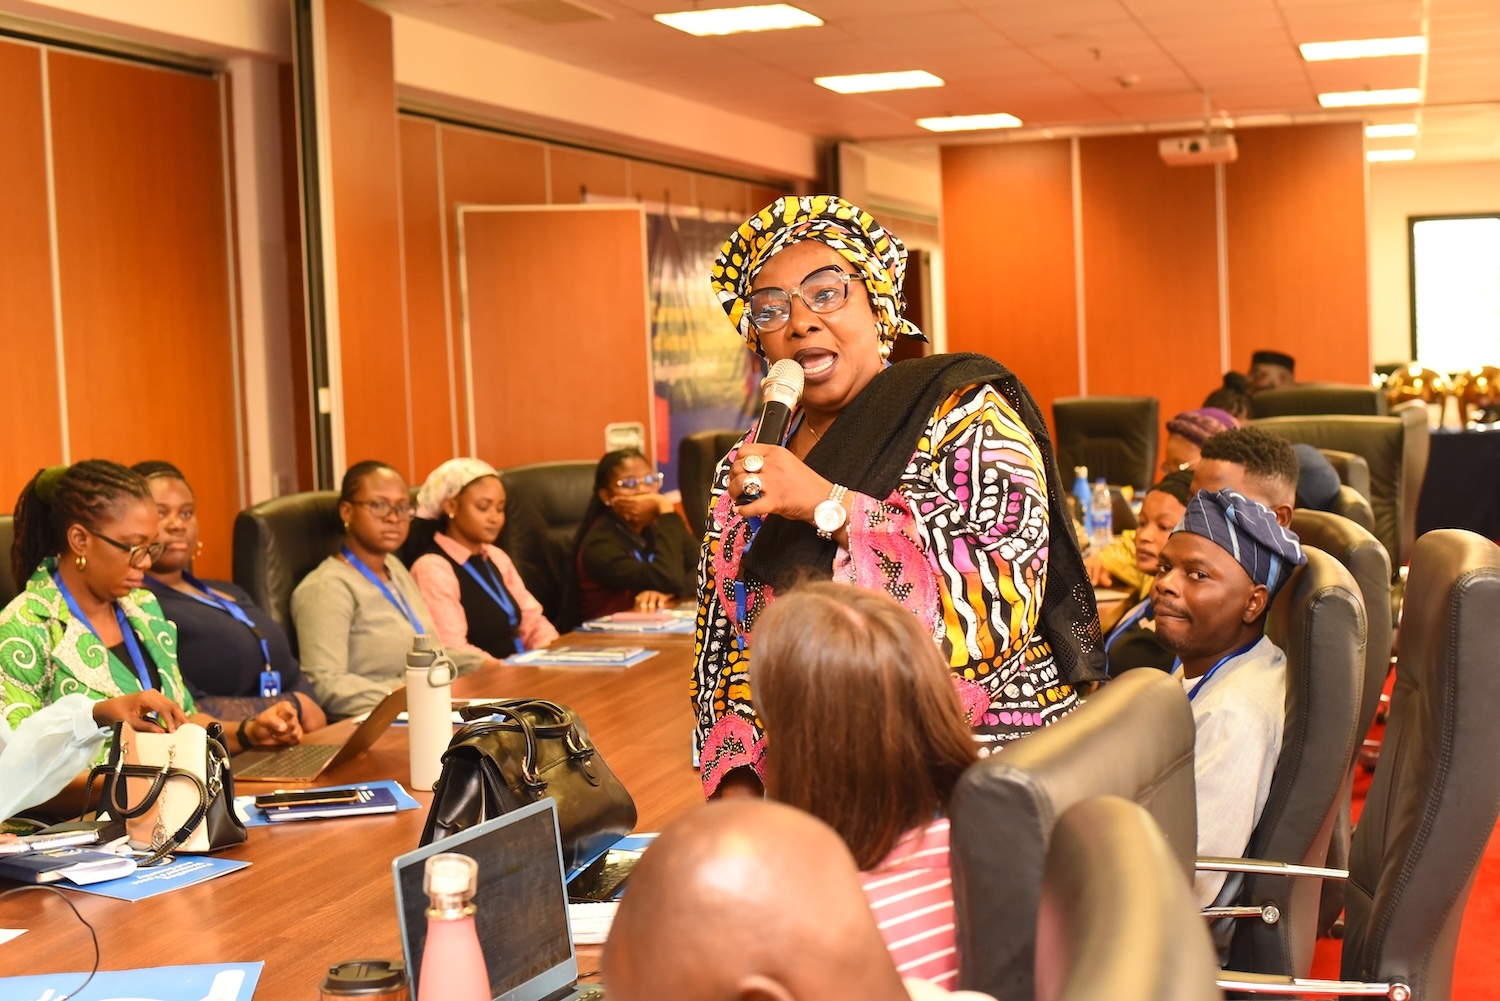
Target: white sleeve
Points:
(42, 755)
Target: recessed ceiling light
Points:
(729, 20)
(1361, 98)
(1386, 155)
(969, 123)
(1391, 131)
(866, 83)
(1364, 48)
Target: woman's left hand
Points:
(788, 486)
(275, 725)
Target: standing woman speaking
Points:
(933, 481)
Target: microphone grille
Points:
(783, 383)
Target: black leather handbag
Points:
(515, 752)
(170, 805)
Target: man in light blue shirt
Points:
(53, 745)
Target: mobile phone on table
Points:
(311, 797)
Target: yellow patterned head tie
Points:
(829, 219)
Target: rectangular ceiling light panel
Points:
(1364, 48)
(969, 123)
(729, 20)
(1387, 155)
(867, 83)
(1367, 98)
(1391, 131)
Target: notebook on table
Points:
(521, 906)
(305, 762)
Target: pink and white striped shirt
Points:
(911, 894)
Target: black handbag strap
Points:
(112, 792)
(579, 747)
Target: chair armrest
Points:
(1266, 983)
(1261, 867)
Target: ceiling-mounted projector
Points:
(1190, 151)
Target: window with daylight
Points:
(1455, 289)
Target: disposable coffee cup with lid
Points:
(368, 979)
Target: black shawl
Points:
(868, 448)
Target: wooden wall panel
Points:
(651, 182)
(1150, 274)
(482, 168)
(559, 369)
(143, 249)
(721, 194)
(760, 196)
(30, 419)
(577, 173)
(433, 371)
(367, 234)
(1008, 260)
(1297, 265)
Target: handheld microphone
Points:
(780, 391)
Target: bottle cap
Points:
(451, 874)
(421, 641)
(1081, 472)
(370, 977)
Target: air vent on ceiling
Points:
(554, 11)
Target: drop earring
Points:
(885, 351)
(80, 561)
(199, 550)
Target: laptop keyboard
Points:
(304, 760)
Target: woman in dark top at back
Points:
(225, 643)
(633, 551)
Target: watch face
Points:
(829, 516)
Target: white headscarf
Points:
(447, 481)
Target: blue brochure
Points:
(254, 816)
(185, 871)
(211, 982)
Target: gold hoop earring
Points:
(80, 561)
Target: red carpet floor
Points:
(1476, 975)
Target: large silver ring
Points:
(752, 486)
(754, 463)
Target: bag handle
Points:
(580, 748)
(119, 770)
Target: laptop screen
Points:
(522, 915)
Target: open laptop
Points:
(521, 904)
(307, 761)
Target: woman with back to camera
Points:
(235, 659)
(358, 612)
(932, 480)
(865, 731)
(476, 597)
(84, 623)
(632, 550)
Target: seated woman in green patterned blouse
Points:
(85, 535)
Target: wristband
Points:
(243, 735)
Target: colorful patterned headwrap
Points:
(829, 219)
(449, 480)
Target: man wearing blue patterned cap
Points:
(1215, 580)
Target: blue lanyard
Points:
(234, 610)
(496, 590)
(137, 658)
(394, 597)
(1210, 673)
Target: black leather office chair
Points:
(1318, 620)
(1117, 920)
(1353, 470)
(278, 542)
(1133, 738)
(1115, 436)
(1316, 398)
(544, 508)
(9, 586)
(1351, 505)
(698, 456)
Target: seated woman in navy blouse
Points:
(633, 551)
(235, 659)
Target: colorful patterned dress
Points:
(961, 542)
(45, 653)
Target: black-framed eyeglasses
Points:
(823, 291)
(140, 556)
(382, 509)
(631, 482)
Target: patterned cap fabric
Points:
(449, 480)
(1197, 426)
(829, 219)
(1248, 531)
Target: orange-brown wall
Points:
(1294, 235)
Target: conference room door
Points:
(556, 328)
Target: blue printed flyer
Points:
(185, 871)
(211, 982)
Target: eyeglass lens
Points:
(823, 293)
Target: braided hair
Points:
(356, 475)
(85, 493)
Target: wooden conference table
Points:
(320, 892)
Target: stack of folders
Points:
(368, 801)
(74, 863)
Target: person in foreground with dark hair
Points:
(632, 550)
(1256, 463)
(358, 612)
(865, 731)
(471, 587)
(1233, 397)
(1271, 370)
(84, 623)
(751, 901)
(234, 657)
(1214, 584)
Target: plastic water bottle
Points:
(1082, 497)
(429, 709)
(1101, 516)
(452, 962)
